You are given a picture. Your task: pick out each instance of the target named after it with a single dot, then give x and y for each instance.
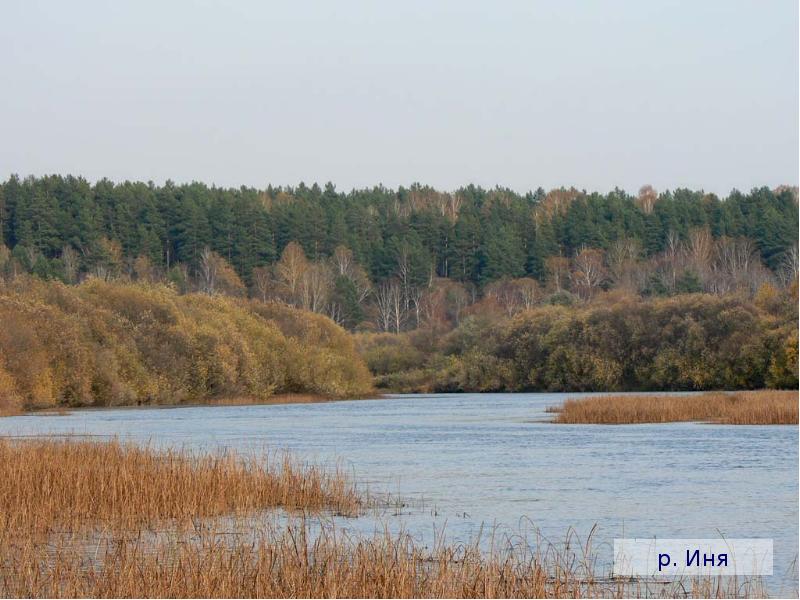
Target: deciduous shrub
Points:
(106, 344)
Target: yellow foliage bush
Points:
(10, 400)
(105, 344)
(324, 359)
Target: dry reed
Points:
(55, 483)
(766, 407)
(294, 563)
(85, 519)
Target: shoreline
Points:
(303, 398)
(289, 398)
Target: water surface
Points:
(470, 460)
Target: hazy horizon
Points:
(521, 95)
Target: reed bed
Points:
(766, 407)
(292, 563)
(88, 519)
(49, 484)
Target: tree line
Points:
(395, 260)
(686, 342)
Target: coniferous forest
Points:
(473, 289)
(65, 228)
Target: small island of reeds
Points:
(765, 407)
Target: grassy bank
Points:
(82, 519)
(766, 407)
(223, 401)
(284, 399)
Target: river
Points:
(466, 461)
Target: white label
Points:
(650, 557)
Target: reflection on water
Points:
(470, 461)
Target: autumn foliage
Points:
(107, 344)
(613, 343)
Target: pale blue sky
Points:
(523, 94)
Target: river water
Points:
(469, 461)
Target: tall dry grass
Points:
(63, 484)
(85, 519)
(295, 563)
(766, 407)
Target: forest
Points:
(345, 243)
(473, 289)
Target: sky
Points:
(524, 94)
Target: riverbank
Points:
(282, 399)
(225, 401)
(763, 407)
